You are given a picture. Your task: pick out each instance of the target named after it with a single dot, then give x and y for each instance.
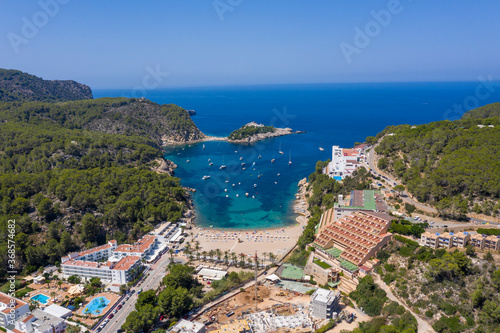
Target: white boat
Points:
(203, 146)
(290, 159)
(236, 151)
(222, 167)
(241, 158)
(254, 185)
(209, 160)
(272, 161)
(253, 196)
(281, 152)
(243, 164)
(278, 174)
(259, 157)
(234, 185)
(187, 161)
(247, 194)
(225, 190)
(239, 183)
(259, 176)
(227, 181)
(211, 163)
(276, 182)
(321, 148)
(237, 195)
(205, 177)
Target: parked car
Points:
(111, 316)
(119, 307)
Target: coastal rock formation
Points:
(253, 132)
(18, 86)
(164, 166)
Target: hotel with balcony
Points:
(490, 242)
(444, 240)
(11, 309)
(109, 262)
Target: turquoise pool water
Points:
(96, 305)
(43, 299)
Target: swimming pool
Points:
(43, 299)
(339, 178)
(96, 305)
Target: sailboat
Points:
(272, 161)
(223, 166)
(280, 151)
(290, 158)
(203, 146)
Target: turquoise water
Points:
(96, 305)
(43, 299)
(331, 114)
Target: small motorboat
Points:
(205, 177)
(223, 166)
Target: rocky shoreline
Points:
(251, 139)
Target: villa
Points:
(344, 161)
(11, 309)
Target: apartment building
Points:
(109, 262)
(37, 321)
(119, 272)
(11, 309)
(445, 240)
(324, 303)
(357, 237)
(141, 248)
(490, 242)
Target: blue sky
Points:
(113, 44)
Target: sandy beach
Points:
(274, 240)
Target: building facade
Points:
(11, 309)
(324, 303)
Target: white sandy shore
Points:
(276, 240)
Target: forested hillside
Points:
(453, 165)
(18, 86)
(109, 115)
(74, 174)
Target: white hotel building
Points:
(344, 161)
(109, 262)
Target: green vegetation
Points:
(75, 174)
(226, 284)
(18, 86)
(461, 292)
(453, 165)
(174, 299)
(495, 232)
(125, 116)
(248, 131)
(405, 227)
(325, 328)
(369, 296)
(321, 264)
(394, 319)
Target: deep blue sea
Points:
(331, 114)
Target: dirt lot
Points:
(268, 295)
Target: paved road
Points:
(423, 326)
(156, 274)
(405, 197)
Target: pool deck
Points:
(91, 319)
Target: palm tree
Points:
(234, 258)
(171, 252)
(59, 283)
(242, 261)
(211, 254)
(192, 236)
(226, 257)
(218, 253)
(204, 255)
(197, 248)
